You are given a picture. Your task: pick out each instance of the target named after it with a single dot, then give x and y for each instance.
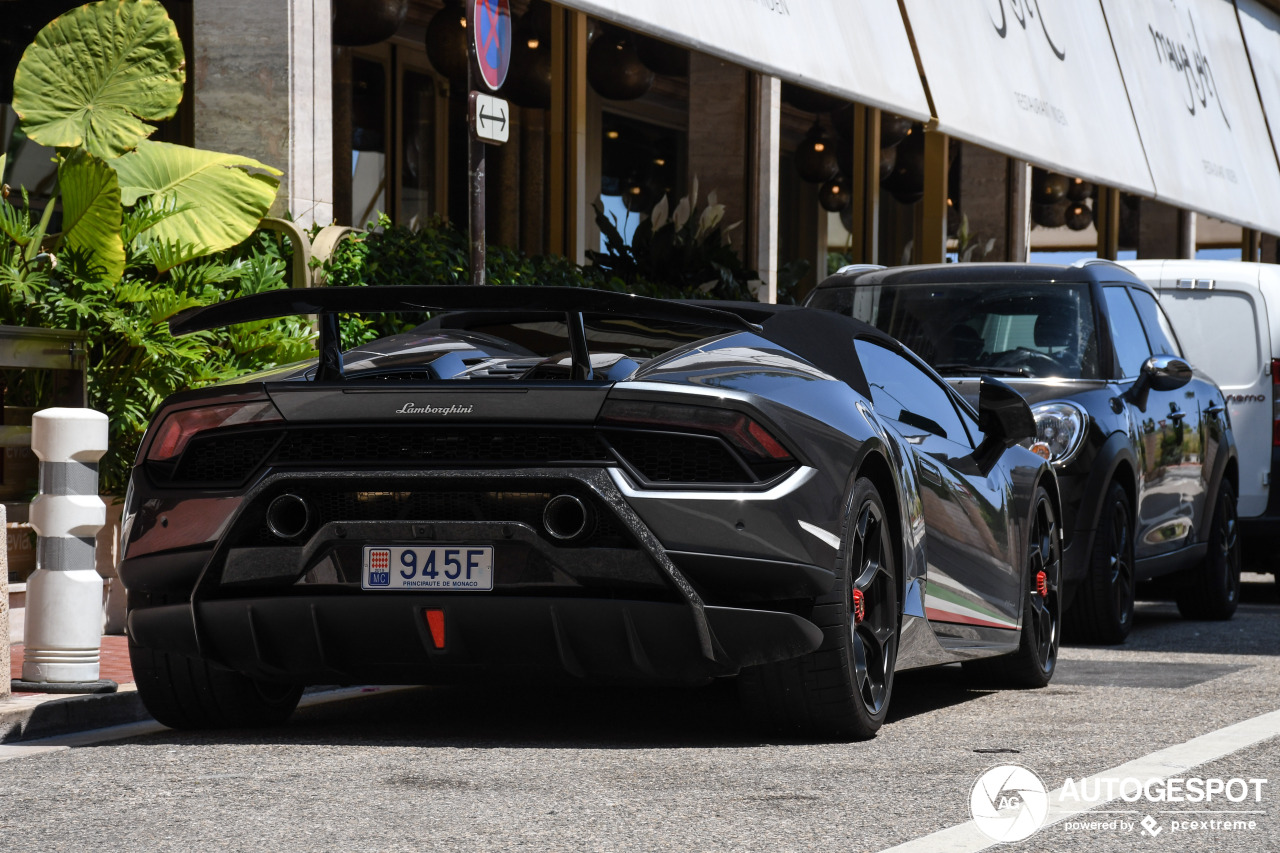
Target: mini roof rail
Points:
(1084, 262)
(850, 269)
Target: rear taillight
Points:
(178, 428)
(1275, 403)
(747, 436)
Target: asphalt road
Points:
(466, 768)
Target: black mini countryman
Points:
(1140, 440)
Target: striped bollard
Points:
(63, 638)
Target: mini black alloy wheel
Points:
(1120, 567)
(1213, 589)
(873, 610)
(1103, 608)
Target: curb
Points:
(45, 715)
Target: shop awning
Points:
(1261, 29)
(1038, 81)
(1197, 106)
(856, 49)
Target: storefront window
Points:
(368, 140)
(640, 163)
(417, 147)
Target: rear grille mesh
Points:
(397, 445)
(228, 458)
(225, 459)
(674, 458)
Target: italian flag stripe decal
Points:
(944, 605)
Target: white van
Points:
(1227, 318)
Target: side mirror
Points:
(1003, 413)
(1161, 373)
(1166, 372)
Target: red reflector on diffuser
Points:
(435, 623)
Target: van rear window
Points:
(1212, 330)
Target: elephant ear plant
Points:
(146, 229)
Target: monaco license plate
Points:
(438, 567)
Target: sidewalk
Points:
(36, 715)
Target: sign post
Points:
(488, 117)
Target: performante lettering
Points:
(411, 409)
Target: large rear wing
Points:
(328, 302)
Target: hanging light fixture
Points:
(815, 160)
(906, 182)
(834, 195)
(614, 68)
(446, 42)
(529, 83)
(893, 129)
(1051, 215)
(1048, 187)
(1079, 189)
(888, 159)
(1078, 216)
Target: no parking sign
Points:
(490, 25)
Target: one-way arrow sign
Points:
(490, 118)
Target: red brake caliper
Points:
(859, 607)
(1042, 584)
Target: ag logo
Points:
(1009, 803)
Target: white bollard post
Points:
(63, 637)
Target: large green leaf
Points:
(91, 215)
(219, 202)
(93, 74)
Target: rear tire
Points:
(842, 690)
(1103, 608)
(186, 693)
(1213, 591)
(1036, 659)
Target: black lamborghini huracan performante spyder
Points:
(576, 484)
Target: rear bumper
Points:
(1260, 540)
(384, 638)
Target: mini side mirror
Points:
(1159, 373)
(1166, 372)
(1003, 413)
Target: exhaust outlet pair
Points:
(565, 517)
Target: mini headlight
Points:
(1060, 426)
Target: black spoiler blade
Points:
(329, 302)
(448, 297)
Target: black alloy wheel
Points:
(1036, 659)
(843, 689)
(1213, 591)
(1103, 608)
(873, 609)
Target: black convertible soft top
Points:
(822, 338)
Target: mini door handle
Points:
(1177, 415)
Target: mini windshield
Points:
(1038, 329)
